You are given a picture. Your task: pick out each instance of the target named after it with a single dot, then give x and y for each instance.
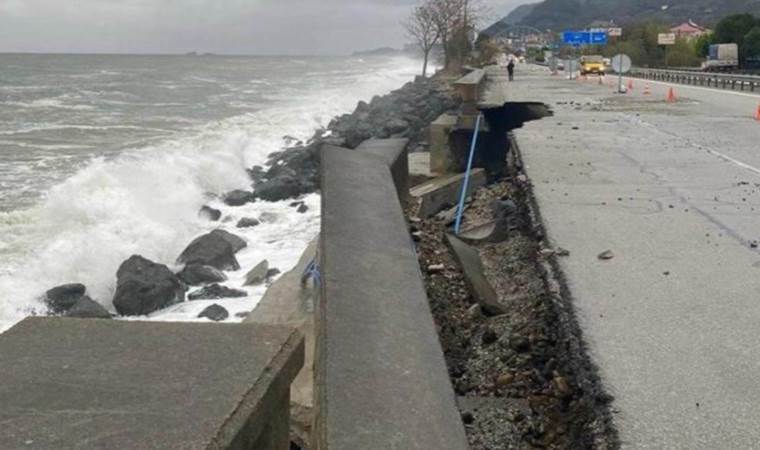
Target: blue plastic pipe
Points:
(466, 185)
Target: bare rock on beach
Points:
(215, 292)
(143, 287)
(248, 222)
(257, 275)
(87, 308)
(71, 300)
(238, 198)
(210, 213)
(214, 312)
(236, 242)
(216, 249)
(62, 298)
(197, 274)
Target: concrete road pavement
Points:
(673, 190)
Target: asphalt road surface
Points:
(673, 191)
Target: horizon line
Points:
(196, 53)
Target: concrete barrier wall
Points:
(381, 379)
(95, 384)
(394, 153)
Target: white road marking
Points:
(732, 160)
(709, 150)
(701, 88)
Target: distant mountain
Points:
(382, 51)
(562, 14)
(519, 14)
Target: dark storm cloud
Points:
(223, 26)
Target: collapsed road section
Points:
(514, 350)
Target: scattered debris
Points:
(606, 255)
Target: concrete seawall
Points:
(381, 379)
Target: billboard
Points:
(666, 39)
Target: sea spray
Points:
(145, 200)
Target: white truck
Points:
(722, 58)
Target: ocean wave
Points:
(63, 127)
(48, 103)
(146, 200)
(46, 146)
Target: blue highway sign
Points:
(584, 37)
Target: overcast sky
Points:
(219, 26)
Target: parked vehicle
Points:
(592, 64)
(722, 58)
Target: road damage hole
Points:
(523, 378)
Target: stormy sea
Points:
(103, 157)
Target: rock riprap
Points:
(143, 287)
(213, 249)
(215, 292)
(214, 312)
(238, 198)
(62, 298)
(71, 300)
(197, 274)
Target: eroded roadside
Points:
(523, 378)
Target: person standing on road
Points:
(511, 69)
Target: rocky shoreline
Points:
(144, 287)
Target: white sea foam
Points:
(63, 127)
(145, 201)
(48, 103)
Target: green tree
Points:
(682, 54)
(703, 43)
(752, 43)
(733, 29)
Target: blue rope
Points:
(312, 271)
(466, 184)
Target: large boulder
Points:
(238, 198)
(248, 222)
(87, 308)
(215, 292)
(197, 274)
(257, 275)
(257, 173)
(210, 213)
(236, 242)
(143, 287)
(62, 298)
(214, 312)
(211, 249)
(283, 187)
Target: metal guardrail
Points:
(734, 82)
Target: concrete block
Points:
(382, 380)
(469, 259)
(419, 164)
(94, 384)
(441, 160)
(395, 154)
(444, 192)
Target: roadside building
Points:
(689, 30)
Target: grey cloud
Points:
(221, 26)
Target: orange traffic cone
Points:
(671, 95)
(647, 89)
(757, 113)
(630, 85)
